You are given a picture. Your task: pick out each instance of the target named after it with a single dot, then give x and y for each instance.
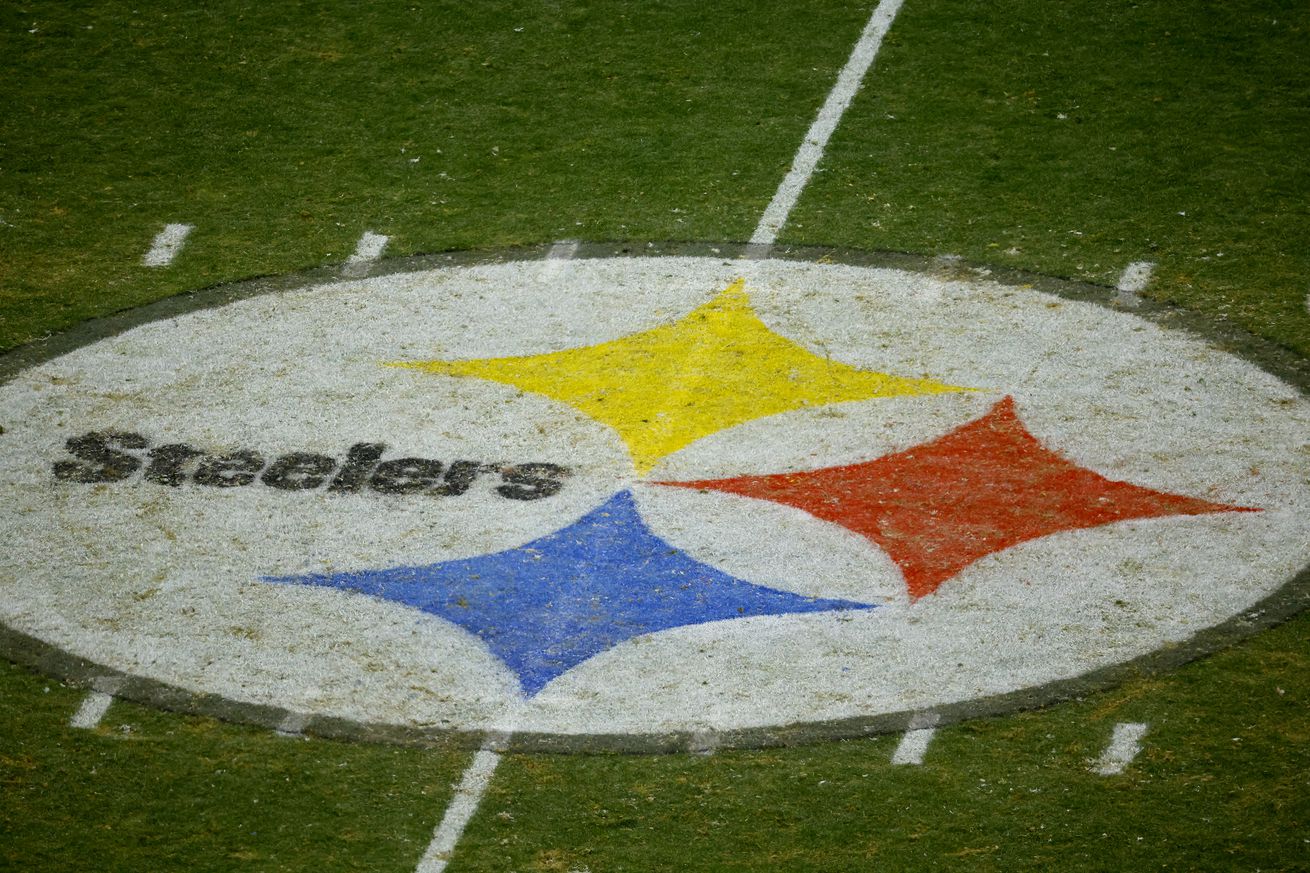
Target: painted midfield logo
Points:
(636, 497)
(546, 606)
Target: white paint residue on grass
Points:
(1124, 746)
(462, 807)
(367, 250)
(1136, 276)
(293, 725)
(556, 258)
(93, 708)
(703, 742)
(167, 243)
(816, 140)
(914, 745)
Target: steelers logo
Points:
(625, 500)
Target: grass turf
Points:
(1072, 138)
(1221, 785)
(148, 790)
(284, 134)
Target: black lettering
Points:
(459, 477)
(103, 462)
(229, 471)
(299, 471)
(360, 461)
(166, 464)
(112, 456)
(405, 476)
(531, 481)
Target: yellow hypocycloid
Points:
(661, 389)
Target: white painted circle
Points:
(165, 582)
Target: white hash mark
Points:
(557, 258)
(1133, 281)
(1124, 747)
(367, 250)
(914, 744)
(93, 708)
(167, 243)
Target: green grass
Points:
(153, 791)
(1073, 138)
(284, 134)
(1222, 785)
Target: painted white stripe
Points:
(1133, 281)
(168, 242)
(1124, 746)
(914, 744)
(1136, 276)
(460, 812)
(93, 708)
(557, 258)
(811, 150)
(367, 250)
(293, 725)
(703, 741)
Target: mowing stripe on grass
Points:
(1133, 281)
(1124, 746)
(914, 745)
(93, 708)
(467, 798)
(367, 250)
(167, 243)
(811, 150)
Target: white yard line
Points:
(367, 250)
(483, 766)
(478, 775)
(1133, 281)
(462, 807)
(167, 243)
(1124, 747)
(811, 150)
(914, 744)
(93, 708)
(556, 258)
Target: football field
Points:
(1126, 181)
